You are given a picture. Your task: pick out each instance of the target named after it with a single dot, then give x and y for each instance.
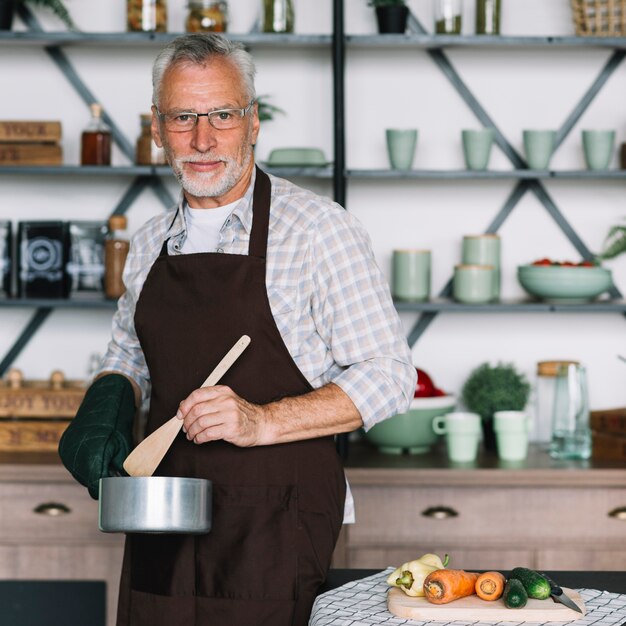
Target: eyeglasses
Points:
(224, 119)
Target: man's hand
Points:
(213, 413)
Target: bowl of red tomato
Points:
(564, 281)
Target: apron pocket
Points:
(316, 543)
(250, 552)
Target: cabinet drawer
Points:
(47, 513)
(472, 516)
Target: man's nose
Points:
(204, 136)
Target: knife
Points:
(558, 595)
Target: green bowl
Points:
(301, 157)
(559, 284)
(411, 431)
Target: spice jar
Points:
(448, 17)
(206, 16)
(147, 152)
(487, 17)
(116, 249)
(278, 16)
(95, 140)
(146, 15)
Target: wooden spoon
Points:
(145, 458)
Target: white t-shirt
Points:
(203, 228)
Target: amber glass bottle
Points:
(96, 140)
(116, 249)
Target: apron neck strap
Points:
(260, 214)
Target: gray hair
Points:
(198, 49)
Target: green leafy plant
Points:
(267, 110)
(495, 388)
(57, 7)
(386, 3)
(615, 242)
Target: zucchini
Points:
(536, 585)
(514, 596)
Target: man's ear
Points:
(156, 133)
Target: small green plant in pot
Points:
(391, 15)
(615, 242)
(494, 388)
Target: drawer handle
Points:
(52, 509)
(440, 512)
(619, 513)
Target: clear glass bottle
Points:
(278, 16)
(146, 15)
(571, 434)
(116, 249)
(206, 16)
(448, 17)
(147, 152)
(487, 17)
(96, 139)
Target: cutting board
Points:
(473, 609)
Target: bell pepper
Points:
(410, 576)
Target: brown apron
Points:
(277, 510)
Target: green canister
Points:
(487, 17)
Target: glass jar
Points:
(146, 15)
(206, 16)
(147, 152)
(448, 14)
(487, 17)
(278, 16)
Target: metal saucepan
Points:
(155, 504)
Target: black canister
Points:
(42, 259)
(6, 246)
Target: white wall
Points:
(520, 88)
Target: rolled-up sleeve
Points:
(359, 322)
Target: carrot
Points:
(490, 585)
(444, 585)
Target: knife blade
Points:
(560, 596)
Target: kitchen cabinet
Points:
(541, 513)
(49, 527)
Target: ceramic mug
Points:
(598, 148)
(539, 146)
(401, 147)
(473, 284)
(462, 431)
(483, 250)
(511, 428)
(410, 276)
(477, 147)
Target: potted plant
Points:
(615, 242)
(392, 15)
(267, 110)
(494, 388)
(7, 9)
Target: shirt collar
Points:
(242, 210)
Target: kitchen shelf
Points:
(489, 174)
(434, 42)
(61, 38)
(58, 303)
(437, 305)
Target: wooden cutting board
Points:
(472, 609)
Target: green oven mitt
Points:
(100, 437)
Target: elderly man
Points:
(242, 253)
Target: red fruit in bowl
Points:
(425, 387)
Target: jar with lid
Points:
(206, 16)
(116, 249)
(146, 15)
(448, 17)
(487, 17)
(147, 152)
(277, 16)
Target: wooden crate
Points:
(23, 435)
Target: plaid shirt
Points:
(329, 298)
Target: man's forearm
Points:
(325, 411)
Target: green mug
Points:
(462, 431)
(598, 148)
(511, 428)
(410, 280)
(477, 147)
(401, 147)
(539, 146)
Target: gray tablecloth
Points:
(364, 603)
